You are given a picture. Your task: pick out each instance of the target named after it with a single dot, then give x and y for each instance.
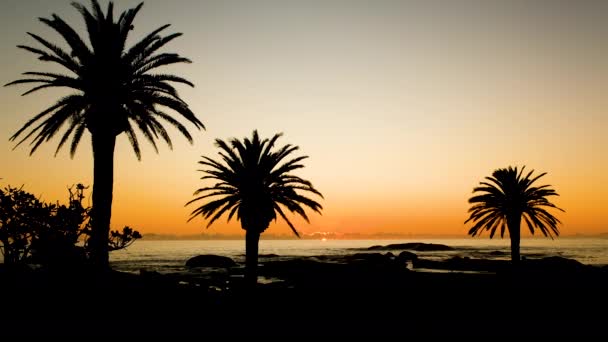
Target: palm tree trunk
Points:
(103, 182)
(252, 240)
(514, 234)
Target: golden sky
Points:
(402, 106)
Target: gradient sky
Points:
(402, 106)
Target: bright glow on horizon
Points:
(402, 106)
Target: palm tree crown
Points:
(505, 199)
(511, 195)
(253, 183)
(114, 88)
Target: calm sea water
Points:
(171, 255)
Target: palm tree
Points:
(114, 91)
(505, 199)
(253, 183)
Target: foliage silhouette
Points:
(253, 182)
(21, 215)
(56, 242)
(507, 198)
(50, 234)
(115, 92)
(124, 239)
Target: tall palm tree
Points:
(114, 91)
(253, 182)
(507, 198)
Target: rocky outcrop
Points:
(210, 260)
(360, 270)
(406, 256)
(271, 255)
(553, 263)
(463, 264)
(369, 257)
(412, 246)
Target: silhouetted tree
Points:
(56, 243)
(253, 182)
(22, 215)
(507, 198)
(115, 92)
(32, 231)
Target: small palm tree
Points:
(114, 91)
(253, 182)
(505, 199)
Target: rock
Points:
(370, 257)
(362, 270)
(271, 255)
(554, 263)
(463, 264)
(210, 260)
(414, 246)
(406, 256)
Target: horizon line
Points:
(348, 236)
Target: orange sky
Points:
(403, 107)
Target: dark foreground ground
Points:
(317, 300)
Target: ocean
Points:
(170, 256)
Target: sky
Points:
(402, 106)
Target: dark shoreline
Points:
(359, 298)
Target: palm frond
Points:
(139, 47)
(291, 226)
(79, 48)
(67, 60)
